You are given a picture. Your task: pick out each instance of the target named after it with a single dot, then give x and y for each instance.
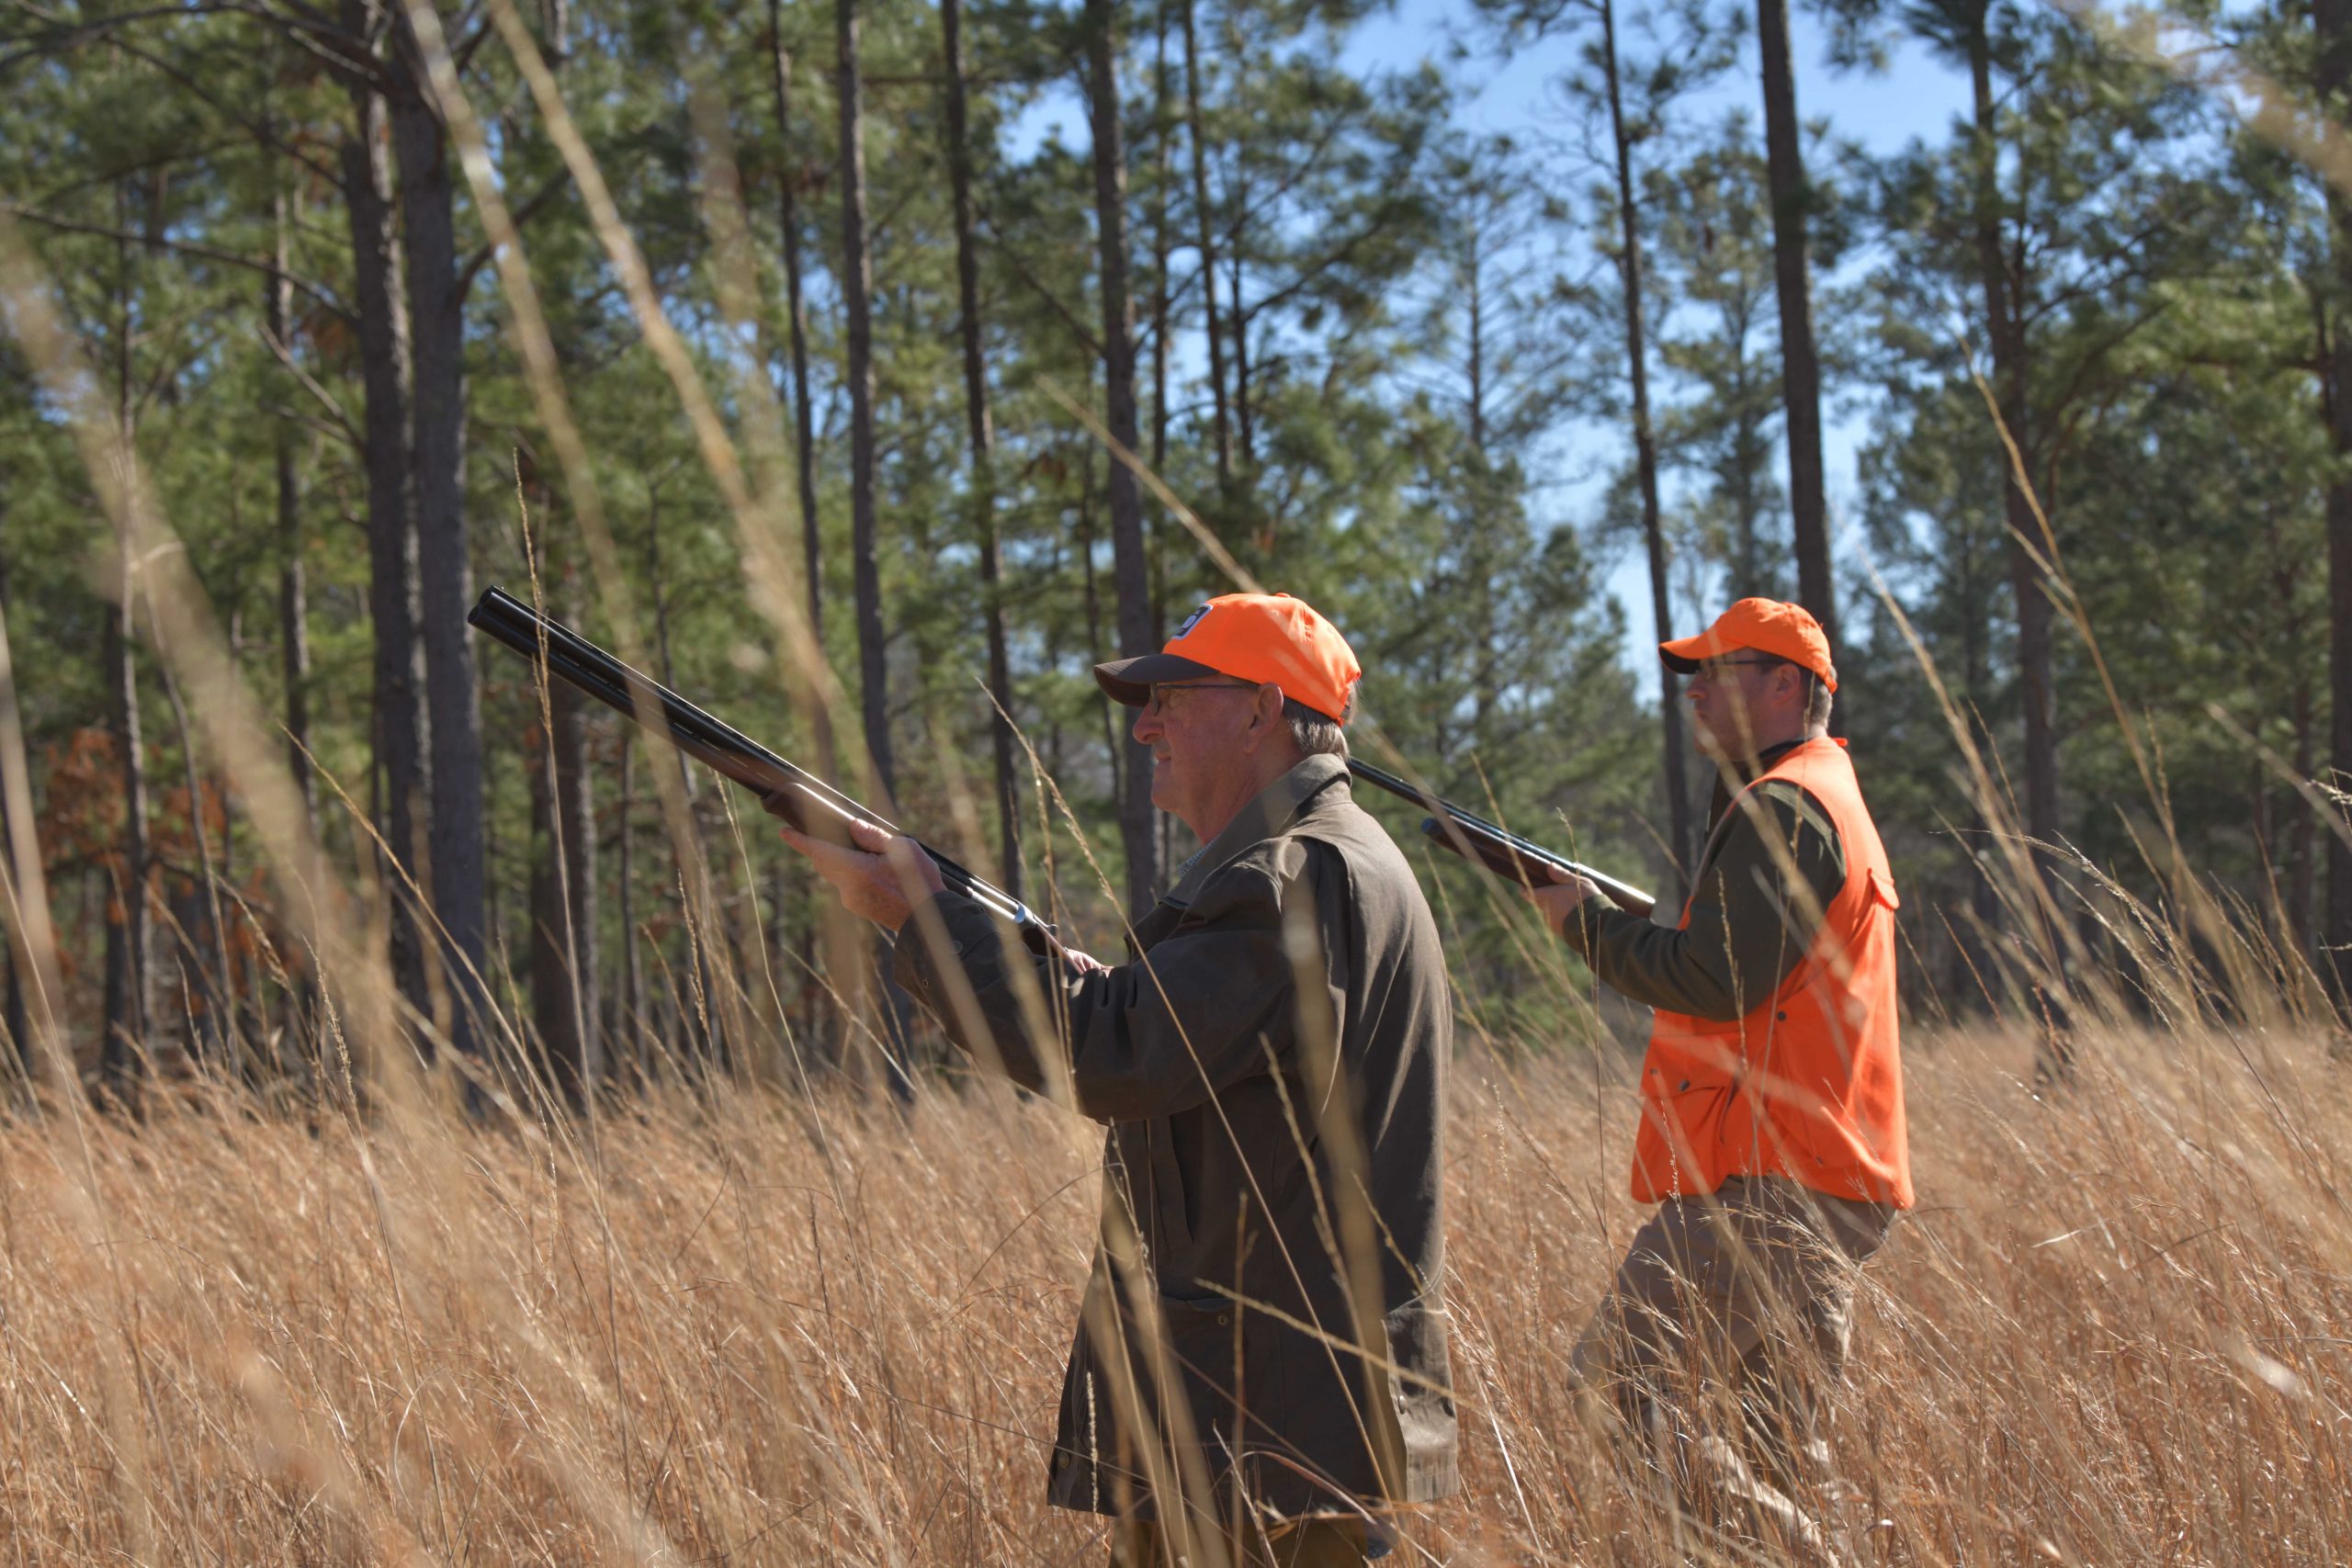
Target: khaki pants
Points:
(1728, 1321)
(1311, 1543)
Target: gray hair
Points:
(1819, 699)
(1318, 734)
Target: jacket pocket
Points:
(1679, 1146)
(1209, 1343)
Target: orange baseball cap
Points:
(1768, 625)
(1246, 636)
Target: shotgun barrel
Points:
(1501, 851)
(800, 798)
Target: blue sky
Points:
(1913, 99)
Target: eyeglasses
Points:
(1713, 669)
(1159, 703)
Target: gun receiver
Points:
(1505, 854)
(802, 798)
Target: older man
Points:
(1772, 1134)
(1260, 1359)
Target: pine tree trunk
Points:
(2301, 840)
(437, 325)
(1203, 219)
(1791, 199)
(627, 1033)
(983, 445)
(2005, 334)
(129, 1004)
(576, 811)
(803, 434)
(1245, 431)
(12, 1014)
(1684, 840)
(563, 902)
(394, 582)
(293, 593)
(1163, 245)
(1131, 577)
(857, 290)
(2332, 22)
(204, 917)
(812, 544)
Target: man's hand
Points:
(1567, 890)
(879, 875)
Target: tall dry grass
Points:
(754, 1328)
(775, 1331)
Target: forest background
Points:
(1507, 407)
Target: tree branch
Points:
(473, 264)
(309, 384)
(184, 247)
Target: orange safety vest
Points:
(1809, 1086)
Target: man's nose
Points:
(1147, 726)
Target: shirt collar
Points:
(1274, 809)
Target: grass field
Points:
(771, 1332)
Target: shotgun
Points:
(800, 798)
(1505, 854)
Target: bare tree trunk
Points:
(2332, 22)
(625, 1031)
(1131, 575)
(129, 1003)
(1800, 358)
(1684, 840)
(1474, 281)
(575, 802)
(983, 443)
(130, 1006)
(1203, 222)
(857, 290)
(1244, 426)
(563, 903)
(804, 435)
(12, 1014)
(395, 589)
(697, 1026)
(2300, 825)
(2005, 334)
(1163, 173)
(803, 416)
(1163, 312)
(436, 325)
(293, 596)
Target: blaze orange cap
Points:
(1246, 636)
(1768, 625)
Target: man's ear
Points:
(1265, 714)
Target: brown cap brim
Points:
(1128, 682)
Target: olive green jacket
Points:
(1768, 871)
(1271, 1065)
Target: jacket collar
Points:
(1274, 809)
(1765, 759)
